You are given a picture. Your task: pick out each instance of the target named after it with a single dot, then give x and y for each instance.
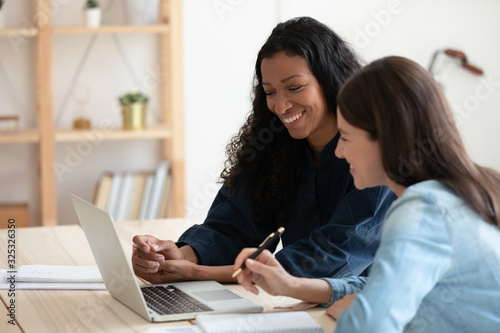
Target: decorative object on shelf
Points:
(134, 107)
(2, 15)
(9, 123)
(92, 13)
(454, 56)
(81, 94)
(17, 210)
(141, 12)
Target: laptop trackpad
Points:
(216, 295)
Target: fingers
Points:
(267, 258)
(144, 265)
(145, 261)
(147, 246)
(259, 268)
(169, 249)
(145, 242)
(246, 278)
(147, 255)
(240, 259)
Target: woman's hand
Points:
(161, 261)
(148, 252)
(336, 309)
(265, 271)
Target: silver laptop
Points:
(161, 302)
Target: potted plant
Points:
(2, 15)
(134, 106)
(92, 13)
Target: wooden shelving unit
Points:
(169, 131)
(112, 29)
(116, 134)
(25, 32)
(22, 136)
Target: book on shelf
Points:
(125, 198)
(114, 193)
(165, 199)
(157, 190)
(102, 190)
(135, 195)
(145, 197)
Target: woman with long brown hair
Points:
(438, 265)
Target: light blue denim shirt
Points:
(437, 269)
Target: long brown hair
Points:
(400, 105)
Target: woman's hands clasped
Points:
(159, 261)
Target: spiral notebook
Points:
(290, 322)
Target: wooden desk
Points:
(94, 311)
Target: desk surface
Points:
(94, 311)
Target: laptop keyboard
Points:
(169, 300)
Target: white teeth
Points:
(292, 119)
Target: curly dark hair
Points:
(263, 156)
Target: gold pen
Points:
(264, 245)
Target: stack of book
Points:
(135, 195)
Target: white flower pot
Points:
(2, 19)
(93, 17)
(142, 12)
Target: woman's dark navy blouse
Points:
(333, 229)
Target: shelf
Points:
(29, 135)
(169, 133)
(25, 32)
(112, 134)
(111, 29)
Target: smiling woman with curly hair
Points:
(281, 171)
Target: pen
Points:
(264, 245)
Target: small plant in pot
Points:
(92, 13)
(134, 106)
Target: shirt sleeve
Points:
(228, 229)
(346, 245)
(343, 287)
(414, 254)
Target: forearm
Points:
(311, 290)
(220, 274)
(189, 254)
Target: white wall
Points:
(221, 41)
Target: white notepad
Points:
(290, 322)
(51, 273)
(39, 277)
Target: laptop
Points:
(156, 303)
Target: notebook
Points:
(163, 302)
(290, 322)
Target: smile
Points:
(294, 118)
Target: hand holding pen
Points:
(263, 270)
(263, 246)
